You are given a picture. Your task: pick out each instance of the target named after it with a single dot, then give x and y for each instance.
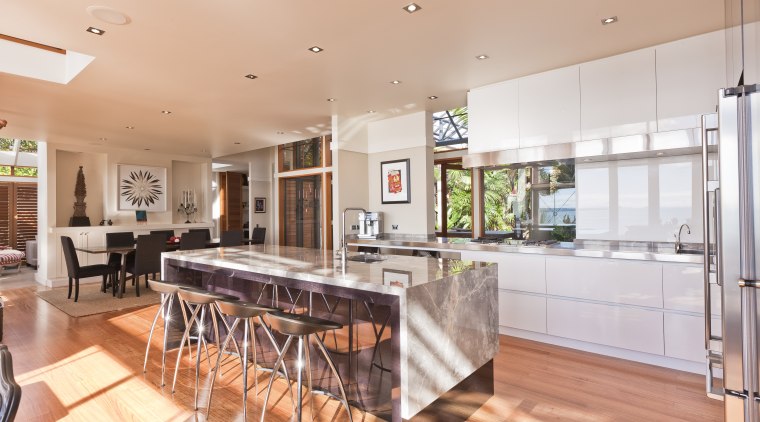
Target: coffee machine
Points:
(370, 225)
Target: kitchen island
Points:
(442, 313)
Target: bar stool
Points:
(302, 327)
(244, 312)
(198, 301)
(168, 292)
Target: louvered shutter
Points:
(5, 213)
(26, 214)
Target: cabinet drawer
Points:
(683, 288)
(524, 312)
(684, 337)
(526, 273)
(627, 328)
(607, 280)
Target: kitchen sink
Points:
(690, 252)
(366, 258)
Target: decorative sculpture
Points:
(80, 192)
(187, 204)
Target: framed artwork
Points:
(142, 188)
(259, 205)
(397, 278)
(394, 182)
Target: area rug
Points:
(92, 301)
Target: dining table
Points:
(124, 251)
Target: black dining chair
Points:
(206, 233)
(166, 233)
(10, 391)
(258, 236)
(192, 240)
(76, 271)
(231, 238)
(114, 259)
(147, 258)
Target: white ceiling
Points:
(191, 56)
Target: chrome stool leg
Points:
(164, 299)
(330, 362)
(280, 361)
(185, 338)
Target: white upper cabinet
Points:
(550, 107)
(493, 117)
(689, 74)
(619, 95)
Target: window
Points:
(18, 158)
(537, 202)
(453, 193)
(450, 129)
(304, 154)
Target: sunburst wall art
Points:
(142, 188)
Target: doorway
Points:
(300, 211)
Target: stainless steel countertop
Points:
(650, 252)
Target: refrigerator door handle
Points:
(718, 246)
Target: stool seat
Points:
(203, 297)
(300, 324)
(245, 310)
(166, 287)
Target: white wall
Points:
(411, 137)
(640, 200)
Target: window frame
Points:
(454, 164)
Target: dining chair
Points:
(76, 271)
(147, 258)
(166, 233)
(206, 232)
(192, 240)
(114, 259)
(231, 238)
(258, 236)
(10, 391)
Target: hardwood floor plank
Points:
(90, 368)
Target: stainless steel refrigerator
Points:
(731, 172)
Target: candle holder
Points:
(188, 208)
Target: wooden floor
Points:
(90, 369)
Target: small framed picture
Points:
(397, 278)
(394, 182)
(259, 205)
(141, 216)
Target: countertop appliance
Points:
(732, 241)
(370, 225)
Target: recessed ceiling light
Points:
(103, 139)
(251, 76)
(611, 19)
(147, 149)
(316, 49)
(96, 31)
(395, 82)
(412, 7)
(371, 111)
(432, 97)
(166, 112)
(481, 57)
(130, 127)
(237, 143)
(279, 132)
(331, 100)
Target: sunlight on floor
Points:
(73, 382)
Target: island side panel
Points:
(449, 330)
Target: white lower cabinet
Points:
(685, 337)
(525, 273)
(610, 325)
(522, 311)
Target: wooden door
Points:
(301, 211)
(231, 200)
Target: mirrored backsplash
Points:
(641, 200)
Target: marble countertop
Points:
(563, 249)
(393, 275)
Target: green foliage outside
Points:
(25, 171)
(27, 146)
(6, 144)
(459, 214)
(5, 170)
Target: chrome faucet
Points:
(679, 246)
(343, 244)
